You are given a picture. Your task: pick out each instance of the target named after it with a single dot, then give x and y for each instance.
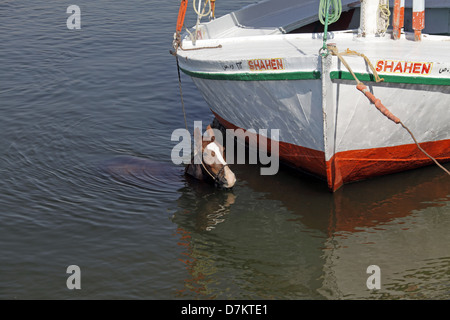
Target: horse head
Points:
(210, 163)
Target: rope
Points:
(197, 11)
(333, 49)
(420, 148)
(377, 102)
(214, 177)
(326, 18)
(181, 94)
(200, 15)
(385, 13)
(177, 42)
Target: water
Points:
(76, 103)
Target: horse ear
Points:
(210, 133)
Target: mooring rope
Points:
(377, 102)
(214, 177)
(421, 149)
(181, 94)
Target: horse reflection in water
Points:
(201, 209)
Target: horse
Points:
(142, 172)
(212, 165)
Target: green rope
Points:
(324, 11)
(329, 12)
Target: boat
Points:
(321, 72)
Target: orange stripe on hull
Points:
(354, 165)
(307, 159)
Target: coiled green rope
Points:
(331, 9)
(329, 12)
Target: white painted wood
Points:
(369, 17)
(296, 107)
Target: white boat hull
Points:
(327, 127)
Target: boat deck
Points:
(261, 31)
(266, 17)
(301, 51)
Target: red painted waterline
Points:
(354, 165)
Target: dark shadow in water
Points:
(357, 205)
(369, 203)
(143, 173)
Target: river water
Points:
(77, 104)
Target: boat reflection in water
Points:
(281, 237)
(288, 237)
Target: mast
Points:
(371, 16)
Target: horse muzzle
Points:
(229, 179)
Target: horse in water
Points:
(210, 166)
